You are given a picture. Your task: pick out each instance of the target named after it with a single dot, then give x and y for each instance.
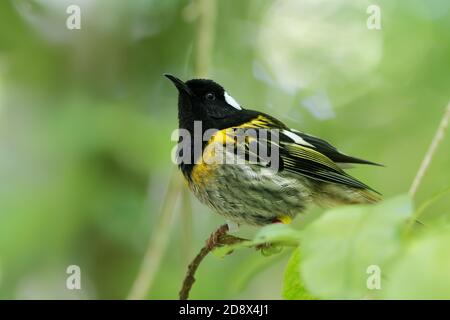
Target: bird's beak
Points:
(181, 86)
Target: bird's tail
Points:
(368, 196)
(330, 195)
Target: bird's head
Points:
(204, 100)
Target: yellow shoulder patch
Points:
(222, 136)
(258, 122)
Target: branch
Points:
(215, 240)
(431, 151)
(220, 238)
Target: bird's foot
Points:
(232, 226)
(214, 239)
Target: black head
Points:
(206, 101)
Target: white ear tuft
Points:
(230, 100)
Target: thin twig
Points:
(431, 151)
(217, 239)
(213, 242)
(158, 242)
(220, 238)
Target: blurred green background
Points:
(86, 120)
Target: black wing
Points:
(303, 157)
(330, 151)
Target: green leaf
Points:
(340, 246)
(277, 233)
(425, 205)
(220, 252)
(423, 271)
(293, 286)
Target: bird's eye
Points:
(210, 96)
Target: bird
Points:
(309, 169)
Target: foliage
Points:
(338, 249)
(335, 254)
(340, 246)
(361, 252)
(293, 285)
(422, 271)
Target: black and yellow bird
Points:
(309, 169)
